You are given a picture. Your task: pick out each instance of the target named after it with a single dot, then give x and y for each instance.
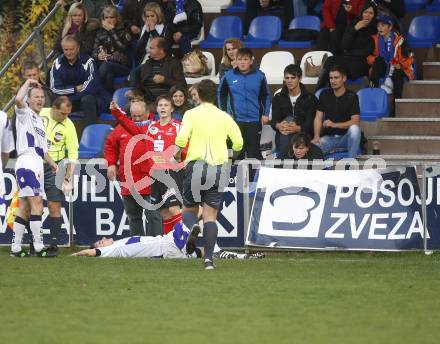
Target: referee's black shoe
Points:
(192, 238)
(46, 252)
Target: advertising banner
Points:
(353, 210)
(98, 210)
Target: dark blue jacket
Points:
(64, 77)
(245, 96)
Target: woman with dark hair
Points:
(180, 100)
(112, 48)
(357, 44)
(302, 148)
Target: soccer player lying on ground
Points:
(169, 246)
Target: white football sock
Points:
(35, 224)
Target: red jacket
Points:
(330, 10)
(115, 147)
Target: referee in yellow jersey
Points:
(207, 129)
(62, 143)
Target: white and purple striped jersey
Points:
(169, 246)
(31, 137)
(6, 146)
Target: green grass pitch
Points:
(309, 297)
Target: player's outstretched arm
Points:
(90, 252)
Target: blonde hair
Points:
(111, 10)
(236, 43)
(68, 24)
(156, 9)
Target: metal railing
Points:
(37, 35)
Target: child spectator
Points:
(357, 44)
(78, 24)
(390, 58)
(229, 59)
(301, 147)
(112, 48)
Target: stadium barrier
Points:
(293, 208)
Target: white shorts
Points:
(29, 173)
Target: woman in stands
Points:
(112, 48)
(78, 24)
(181, 102)
(154, 26)
(357, 44)
(337, 15)
(229, 59)
(390, 58)
(132, 14)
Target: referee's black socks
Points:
(210, 231)
(55, 228)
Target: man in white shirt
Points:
(29, 172)
(6, 146)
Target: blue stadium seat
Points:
(424, 32)
(120, 98)
(373, 103)
(92, 140)
(301, 22)
(415, 5)
(434, 6)
(340, 154)
(222, 28)
(263, 32)
(358, 81)
(239, 6)
(318, 92)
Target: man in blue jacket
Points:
(244, 93)
(74, 75)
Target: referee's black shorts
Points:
(160, 192)
(203, 183)
(53, 194)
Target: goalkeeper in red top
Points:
(165, 172)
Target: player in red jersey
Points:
(167, 174)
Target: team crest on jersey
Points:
(58, 137)
(153, 130)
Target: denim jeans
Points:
(299, 8)
(134, 215)
(349, 141)
(108, 71)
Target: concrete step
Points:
(417, 107)
(431, 70)
(404, 144)
(403, 126)
(421, 89)
(403, 159)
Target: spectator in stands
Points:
(78, 24)
(133, 12)
(115, 151)
(337, 117)
(63, 143)
(293, 109)
(74, 75)
(154, 25)
(180, 100)
(187, 19)
(394, 9)
(301, 147)
(337, 14)
(390, 59)
(31, 70)
(357, 44)
(194, 94)
(279, 8)
(93, 7)
(229, 59)
(160, 71)
(112, 48)
(244, 92)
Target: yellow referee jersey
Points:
(206, 127)
(61, 137)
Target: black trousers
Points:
(330, 41)
(251, 132)
(89, 105)
(379, 70)
(356, 67)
